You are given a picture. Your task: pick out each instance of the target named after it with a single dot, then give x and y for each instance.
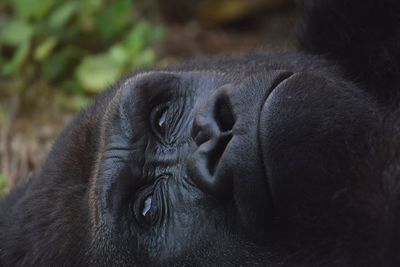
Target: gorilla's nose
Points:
(212, 131)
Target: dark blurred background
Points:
(56, 55)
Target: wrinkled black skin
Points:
(287, 159)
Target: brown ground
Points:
(26, 134)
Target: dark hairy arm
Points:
(361, 36)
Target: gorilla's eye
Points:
(145, 208)
(161, 123)
(165, 120)
(159, 120)
(147, 205)
(147, 213)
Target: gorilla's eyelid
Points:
(153, 88)
(160, 91)
(159, 119)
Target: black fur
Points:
(363, 38)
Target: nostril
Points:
(216, 152)
(223, 114)
(200, 134)
(214, 119)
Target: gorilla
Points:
(270, 159)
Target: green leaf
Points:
(119, 54)
(45, 48)
(55, 63)
(95, 72)
(3, 115)
(60, 37)
(60, 16)
(3, 184)
(91, 6)
(113, 19)
(72, 86)
(17, 60)
(77, 102)
(144, 58)
(87, 11)
(33, 8)
(16, 32)
(135, 40)
(142, 35)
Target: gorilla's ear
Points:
(363, 36)
(73, 153)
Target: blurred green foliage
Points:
(3, 115)
(80, 45)
(3, 185)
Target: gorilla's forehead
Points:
(237, 69)
(192, 81)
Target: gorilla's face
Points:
(196, 162)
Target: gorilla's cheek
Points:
(307, 143)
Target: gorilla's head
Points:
(271, 159)
(197, 163)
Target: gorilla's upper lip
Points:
(279, 79)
